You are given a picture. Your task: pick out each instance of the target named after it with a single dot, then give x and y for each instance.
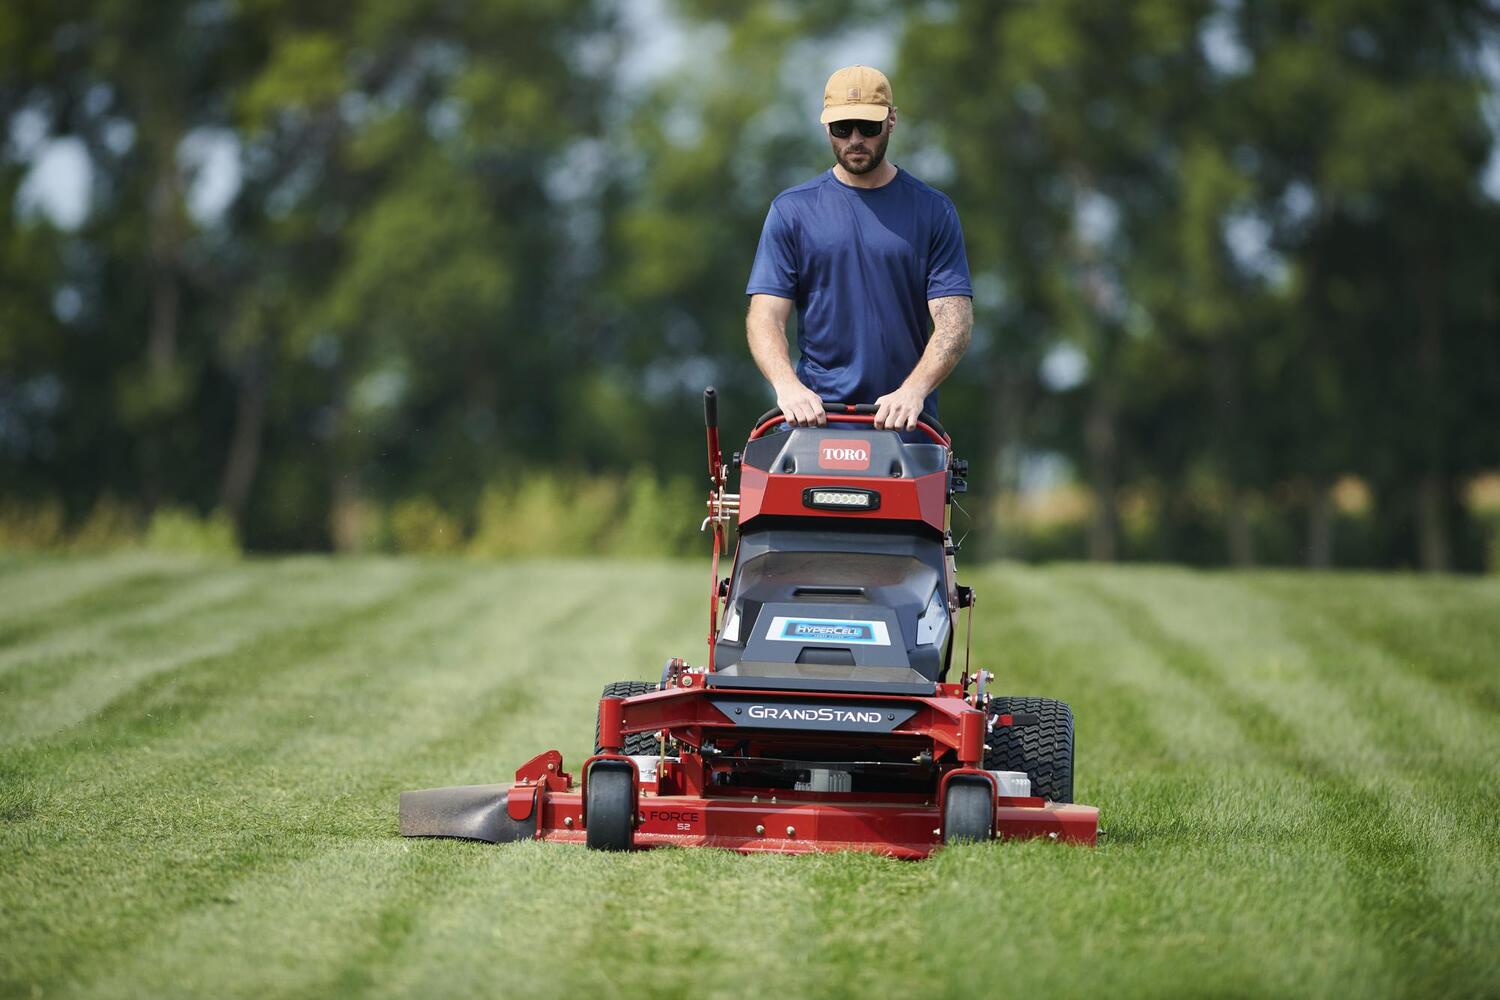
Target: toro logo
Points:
(846, 453)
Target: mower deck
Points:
(543, 804)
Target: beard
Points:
(874, 147)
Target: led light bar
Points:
(833, 498)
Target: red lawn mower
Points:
(824, 718)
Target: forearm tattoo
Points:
(952, 327)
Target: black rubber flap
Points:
(469, 812)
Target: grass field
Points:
(1299, 776)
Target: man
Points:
(870, 256)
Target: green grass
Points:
(1299, 776)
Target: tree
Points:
(1371, 118)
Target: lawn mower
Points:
(823, 717)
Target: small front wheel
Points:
(968, 811)
(611, 809)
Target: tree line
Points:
(1235, 262)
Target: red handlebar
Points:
(850, 418)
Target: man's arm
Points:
(952, 325)
(765, 328)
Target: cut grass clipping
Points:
(1299, 776)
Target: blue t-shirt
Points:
(861, 264)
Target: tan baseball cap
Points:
(856, 92)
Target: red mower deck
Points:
(901, 826)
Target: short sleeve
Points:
(947, 261)
(775, 269)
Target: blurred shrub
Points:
(179, 530)
(31, 526)
(660, 519)
(1040, 526)
(592, 508)
(548, 513)
(420, 525)
(1187, 526)
(360, 526)
(530, 517)
(1483, 498)
(111, 525)
(538, 514)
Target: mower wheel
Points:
(636, 744)
(1044, 750)
(610, 818)
(968, 811)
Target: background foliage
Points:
(1237, 268)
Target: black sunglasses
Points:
(844, 129)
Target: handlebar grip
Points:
(859, 408)
(710, 407)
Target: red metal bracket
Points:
(611, 718)
(545, 768)
(971, 738)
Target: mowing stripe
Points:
(1128, 705)
(51, 685)
(121, 598)
(1408, 632)
(262, 895)
(150, 780)
(35, 585)
(1371, 808)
